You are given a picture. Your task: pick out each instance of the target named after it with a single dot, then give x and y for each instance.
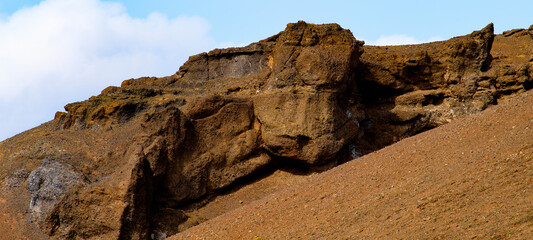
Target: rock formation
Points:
(469, 179)
(409, 89)
(129, 159)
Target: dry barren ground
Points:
(469, 179)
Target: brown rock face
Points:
(409, 89)
(417, 87)
(468, 179)
(224, 115)
(287, 78)
(299, 105)
(133, 158)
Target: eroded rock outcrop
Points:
(409, 89)
(310, 95)
(224, 115)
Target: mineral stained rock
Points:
(47, 184)
(135, 155)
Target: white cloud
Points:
(400, 39)
(67, 50)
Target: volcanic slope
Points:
(472, 178)
(156, 156)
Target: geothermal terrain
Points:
(308, 134)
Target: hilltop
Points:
(156, 156)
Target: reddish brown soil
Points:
(472, 178)
(235, 136)
(242, 195)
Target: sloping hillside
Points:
(156, 156)
(472, 178)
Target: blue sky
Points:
(54, 52)
(247, 21)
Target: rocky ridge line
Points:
(311, 95)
